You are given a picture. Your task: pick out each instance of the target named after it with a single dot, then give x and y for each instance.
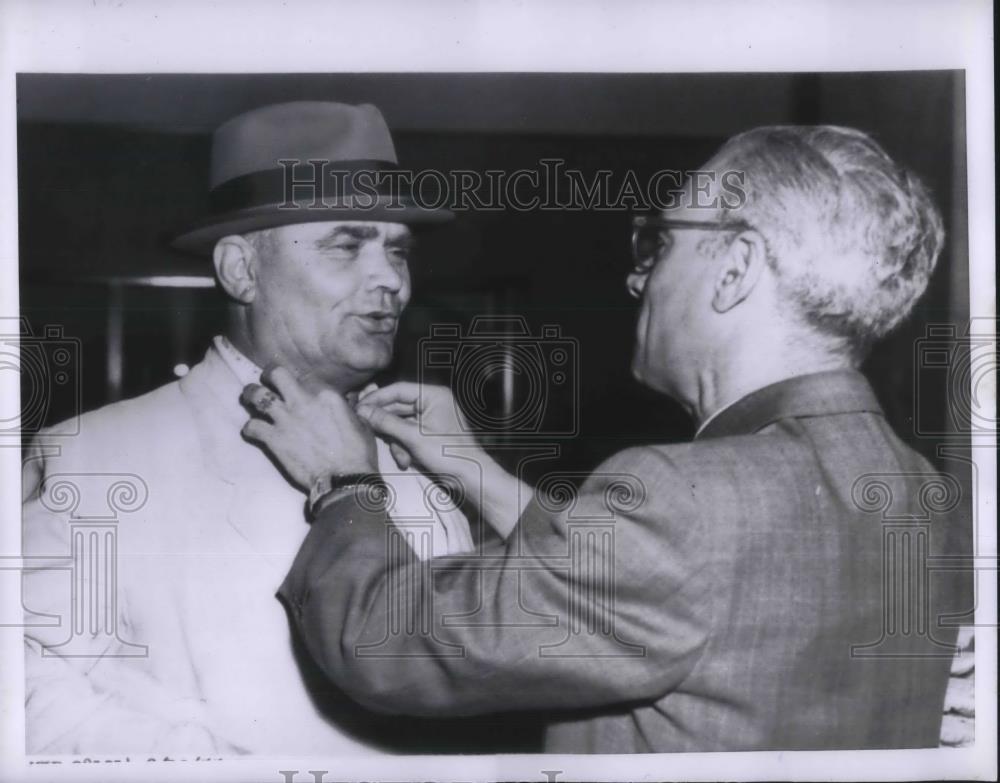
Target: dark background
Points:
(109, 165)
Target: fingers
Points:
(401, 409)
(258, 431)
(401, 456)
(261, 399)
(286, 384)
(392, 427)
(293, 392)
(402, 392)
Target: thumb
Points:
(401, 455)
(391, 426)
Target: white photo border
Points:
(129, 36)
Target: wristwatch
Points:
(325, 486)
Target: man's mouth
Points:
(378, 321)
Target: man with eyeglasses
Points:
(738, 603)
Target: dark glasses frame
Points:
(644, 263)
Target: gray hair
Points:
(262, 240)
(852, 237)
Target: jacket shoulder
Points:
(650, 478)
(688, 462)
(131, 431)
(116, 417)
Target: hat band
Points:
(310, 184)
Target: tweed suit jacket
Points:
(740, 601)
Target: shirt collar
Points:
(713, 417)
(245, 370)
(816, 394)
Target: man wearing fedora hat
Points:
(316, 284)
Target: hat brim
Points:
(201, 237)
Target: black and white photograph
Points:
(490, 417)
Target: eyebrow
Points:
(363, 234)
(352, 232)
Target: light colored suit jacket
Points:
(777, 584)
(195, 655)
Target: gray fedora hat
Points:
(303, 162)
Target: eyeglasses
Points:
(648, 241)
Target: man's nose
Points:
(383, 271)
(635, 282)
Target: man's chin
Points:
(372, 362)
(349, 373)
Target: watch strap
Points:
(326, 486)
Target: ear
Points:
(740, 269)
(235, 262)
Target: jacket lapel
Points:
(212, 392)
(264, 508)
(261, 506)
